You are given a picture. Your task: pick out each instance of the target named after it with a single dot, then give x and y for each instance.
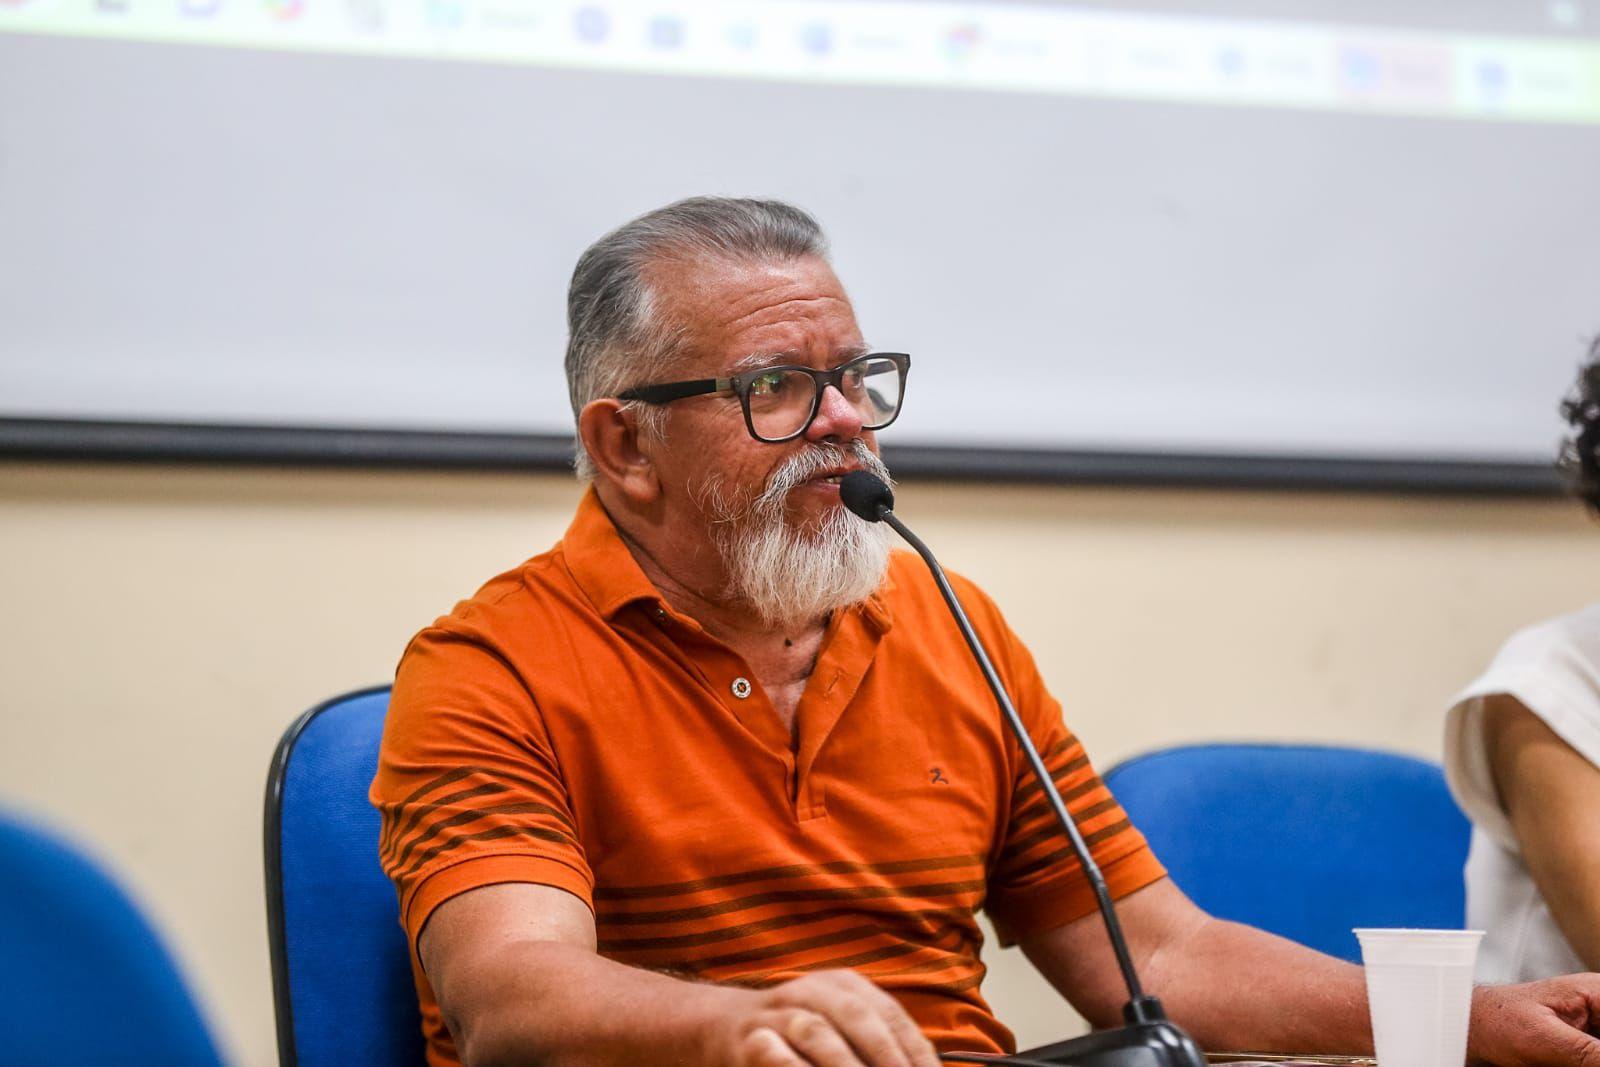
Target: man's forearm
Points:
(572, 1008)
(1235, 988)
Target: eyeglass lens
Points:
(782, 402)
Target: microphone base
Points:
(1150, 1044)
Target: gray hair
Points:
(617, 336)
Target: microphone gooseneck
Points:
(867, 497)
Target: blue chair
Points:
(1305, 841)
(86, 979)
(341, 972)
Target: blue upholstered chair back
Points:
(86, 979)
(1304, 841)
(341, 975)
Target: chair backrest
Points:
(341, 973)
(1305, 841)
(85, 978)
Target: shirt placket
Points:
(728, 678)
(847, 653)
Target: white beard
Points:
(792, 576)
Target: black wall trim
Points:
(1197, 470)
(150, 442)
(142, 442)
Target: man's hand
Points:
(826, 1019)
(1537, 1024)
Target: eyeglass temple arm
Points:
(670, 391)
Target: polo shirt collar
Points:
(600, 561)
(604, 568)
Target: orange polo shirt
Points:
(567, 727)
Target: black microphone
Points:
(866, 495)
(1148, 1039)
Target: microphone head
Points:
(866, 495)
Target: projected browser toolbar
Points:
(973, 46)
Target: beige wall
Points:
(163, 625)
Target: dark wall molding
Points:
(175, 443)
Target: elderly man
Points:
(714, 781)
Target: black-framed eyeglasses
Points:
(780, 402)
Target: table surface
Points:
(1257, 1059)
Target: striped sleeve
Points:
(1035, 882)
(468, 787)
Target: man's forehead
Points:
(742, 309)
(734, 293)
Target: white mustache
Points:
(802, 466)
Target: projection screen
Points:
(1252, 228)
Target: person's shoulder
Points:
(909, 577)
(516, 601)
(1581, 626)
(1552, 669)
(911, 591)
(1572, 640)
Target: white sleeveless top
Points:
(1553, 669)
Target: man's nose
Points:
(836, 419)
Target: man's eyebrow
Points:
(768, 359)
(762, 359)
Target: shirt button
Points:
(741, 687)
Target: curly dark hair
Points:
(1580, 452)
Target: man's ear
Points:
(610, 434)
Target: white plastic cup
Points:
(1419, 991)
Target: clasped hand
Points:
(826, 1019)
